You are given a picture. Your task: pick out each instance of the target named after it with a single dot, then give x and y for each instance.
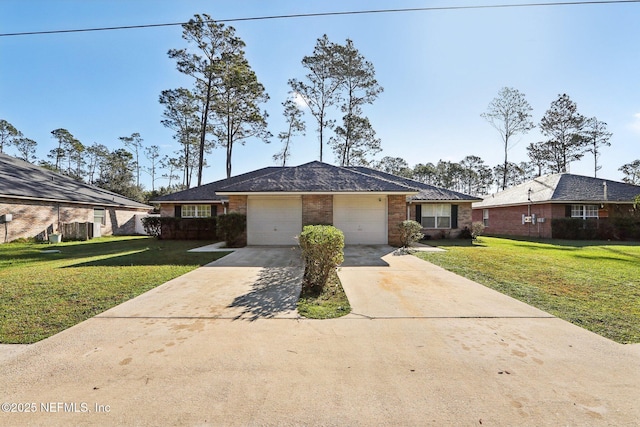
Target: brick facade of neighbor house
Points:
(317, 209)
(465, 215)
(39, 219)
(507, 221)
(396, 213)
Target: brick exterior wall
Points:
(238, 204)
(507, 221)
(465, 218)
(465, 215)
(317, 209)
(34, 219)
(396, 213)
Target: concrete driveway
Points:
(223, 345)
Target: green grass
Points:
(595, 285)
(331, 303)
(43, 294)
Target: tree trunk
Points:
(203, 133)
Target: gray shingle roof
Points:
(207, 192)
(427, 192)
(559, 188)
(315, 177)
(23, 180)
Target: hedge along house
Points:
(36, 202)
(529, 209)
(366, 205)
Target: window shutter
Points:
(419, 213)
(567, 211)
(214, 210)
(454, 216)
(178, 211)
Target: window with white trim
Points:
(485, 217)
(436, 215)
(584, 211)
(196, 211)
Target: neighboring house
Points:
(367, 205)
(529, 208)
(39, 201)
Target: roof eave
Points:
(75, 202)
(159, 202)
(320, 193)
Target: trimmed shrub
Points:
(465, 234)
(231, 228)
(410, 232)
(477, 228)
(322, 251)
(152, 225)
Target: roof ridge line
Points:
(376, 177)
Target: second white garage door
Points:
(273, 220)
(362, 219)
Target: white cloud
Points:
(299, 100)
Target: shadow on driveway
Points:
(274, 294)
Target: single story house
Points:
(35, 203)
(529, 208)
(367, 205)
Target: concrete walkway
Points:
(223, 345)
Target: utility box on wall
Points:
(6, 218)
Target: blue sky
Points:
(439, 70)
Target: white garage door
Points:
(273, 220)
(362, 219)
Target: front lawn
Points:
(595, 285)
(42, 294)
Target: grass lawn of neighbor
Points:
(44, 293)
(595, 285)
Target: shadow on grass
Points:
(276, 291)
(445, 243)
(153, 257)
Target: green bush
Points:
(410, 232)
(172, 228)
(322, 251)
(477, 228)
(231, 228)
(152, 225)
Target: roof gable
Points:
(24, 180)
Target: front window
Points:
(436, 215)
(196, 211)
(485, 217)
(584, 211)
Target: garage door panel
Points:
(362, 219)
(273, 220)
